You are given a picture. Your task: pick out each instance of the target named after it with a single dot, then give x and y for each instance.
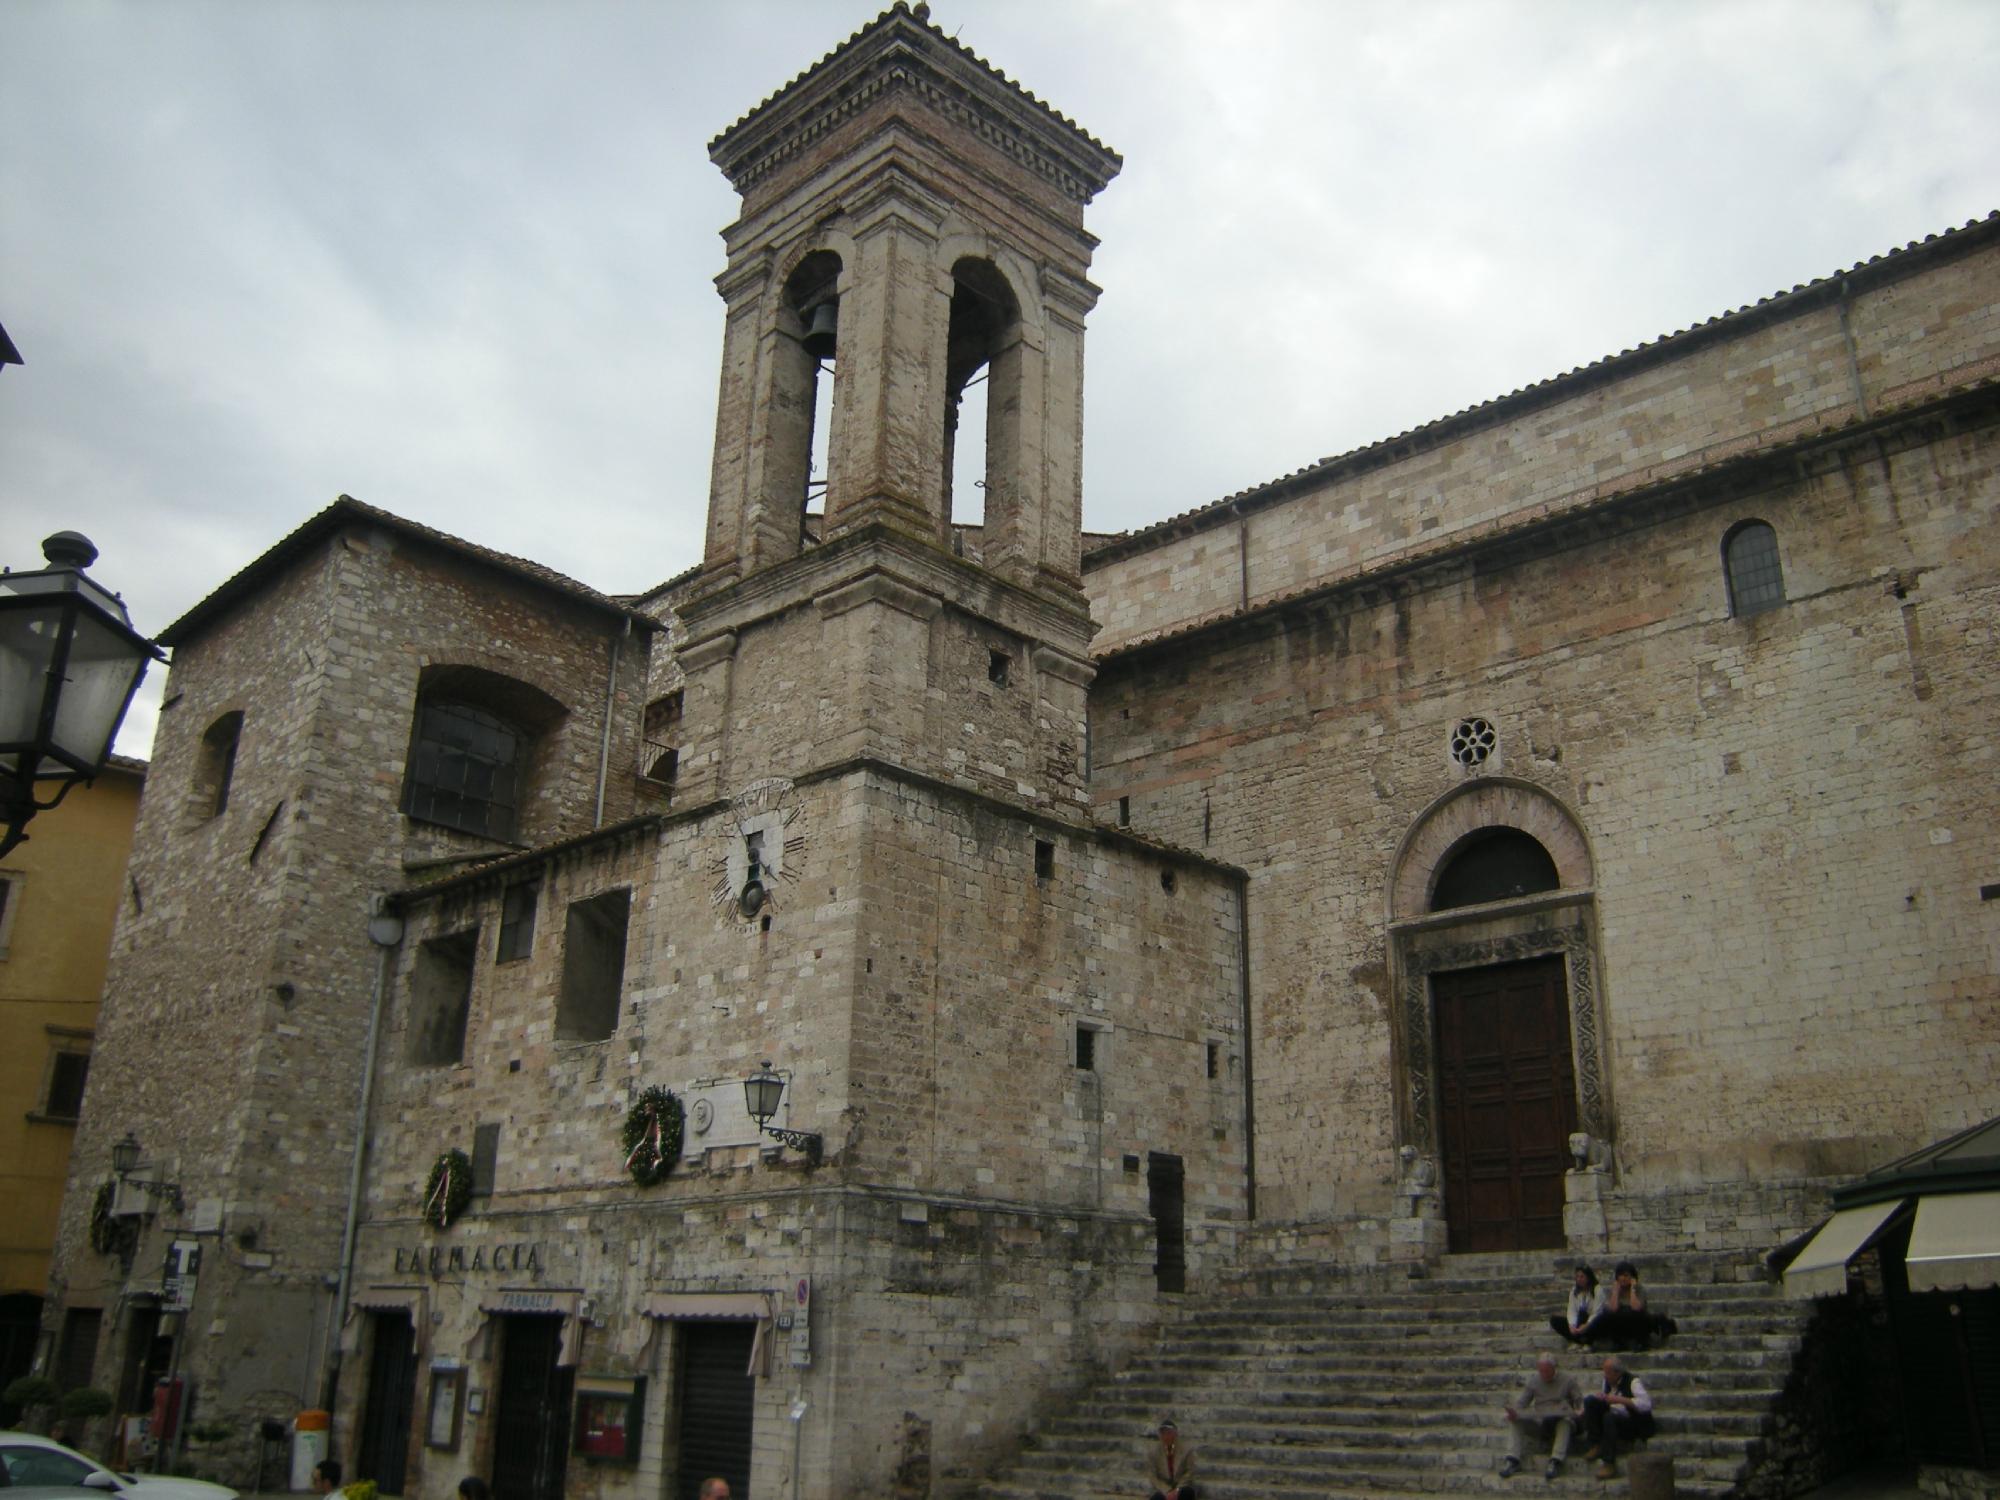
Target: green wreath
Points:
(109, 1234)
(448, 1189)
(652, 1137)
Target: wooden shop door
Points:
(531, 1432)
(385, 1412)
(1506, 1103)
(717, 1406)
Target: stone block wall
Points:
(981, 1227)
(1787, 831)
(240, 956)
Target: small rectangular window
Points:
(441, 998)
(1215, 1059)
(593, 978)
(1045, 859)
(67, 1072)
(517, 921)
(485, 1156)
(1086, 1049)
(1124, 812)
(996, 668)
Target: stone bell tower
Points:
(911, 220)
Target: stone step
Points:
(1343, 1387)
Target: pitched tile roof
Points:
(347, 511)
(1888, 266)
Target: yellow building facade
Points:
(59, 895)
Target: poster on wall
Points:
(607, 1417)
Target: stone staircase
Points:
(1341, 1388)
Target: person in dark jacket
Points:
(1620, 1413)
(1627, 1322)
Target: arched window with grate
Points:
(1750, 562)
(474, 749)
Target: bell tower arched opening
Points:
(983, 351)
(803, 390)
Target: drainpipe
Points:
(385, 931)
(604, 745)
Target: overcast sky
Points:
(454, 257)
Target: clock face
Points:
(763, 849)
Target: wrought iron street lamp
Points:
(125, 1158)
(70, 662)
(763, 1092)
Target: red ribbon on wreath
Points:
(650, 1138)
(441, 1199)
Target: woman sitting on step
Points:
(1586, 1306)
(1626, 1322)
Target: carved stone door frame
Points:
(1423, 943)
(1557, 923)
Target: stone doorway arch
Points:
(1559, 922)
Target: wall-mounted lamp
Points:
(125, 1161)
(763, 1091)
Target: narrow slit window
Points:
(1045, 859)
(215, 768)
(1086, 1049)
(517, 922)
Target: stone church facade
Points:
(1566, 827)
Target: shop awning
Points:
(667, 1307)
(533, 1301)
(1955, 1243)
(1820, 1270)
(707, 1305)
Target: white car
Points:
(26, 1459)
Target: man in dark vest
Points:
(1620, 1413)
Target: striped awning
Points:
(1820, 1270)
(1955, 1243)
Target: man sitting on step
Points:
(1170, 1468)
(1621, 1413)
(1544, 1412)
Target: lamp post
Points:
(70, 662)
(763, 1091)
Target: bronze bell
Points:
(822, 331)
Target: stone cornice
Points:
(899, 56)
(908, 566)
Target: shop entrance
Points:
(716, 1407)
(148, 1355)
(1506, 1103)
(385, 1414)
(531, 1427)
